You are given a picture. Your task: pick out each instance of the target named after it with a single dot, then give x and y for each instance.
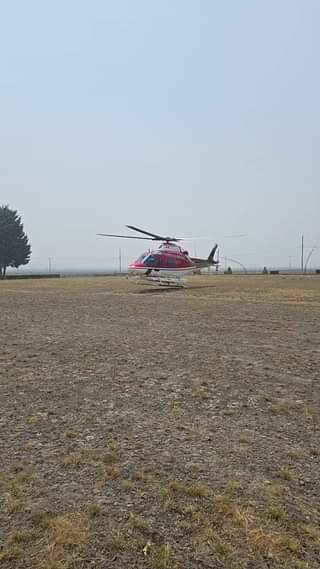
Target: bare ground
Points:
(171, 429)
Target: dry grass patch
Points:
(190, 511)
(74, 459)
(18, 483)
(309, 534)
(315, 451)
(110, 457)
(139, 523)
(38, 417)
(61, 533)
(286, 407)
(229, 508)
(91, 457)
(118, 541)
(71, 435)
(11, 553)
(274, 490)
(112, 472)
(127, 485)
(142, 476)
(115, 446)
(209, 541)
(233, 487)
(63, 536)
(275, 543)
(285, 474)
(22, 480)
(22, 537)
(12, 504)
(296, 454)
(95, 510)
(68, 530)
(162, 557)
(20, 467)
(54, 564)
(41, 519)
(244, 439)
(277, 513)
(186, 489)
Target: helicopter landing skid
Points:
(172, 282)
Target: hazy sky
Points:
(196, 118)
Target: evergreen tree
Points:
(15, 249)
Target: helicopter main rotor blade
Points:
(153, 235)
(125, 236)
(150, 236)
(235, 236)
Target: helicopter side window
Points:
(172, 263)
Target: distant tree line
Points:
(15, 249)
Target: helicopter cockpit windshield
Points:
(152, 260)
(142, 257)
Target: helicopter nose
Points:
(135, 268)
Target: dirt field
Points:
(160, 429)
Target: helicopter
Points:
(166, 265)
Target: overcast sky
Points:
(197, 118)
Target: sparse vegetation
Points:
(163, 557)
(71, 435)
(284, 473)
(68, 530)
(277, 513)
(74, 459)
(11, 554)
(21, 537)
(139, 523)
(194, 490)
(95, 510)
(127, 446)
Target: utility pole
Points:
(302, 254)
(290, 263)
(120, 261)
(50, 265)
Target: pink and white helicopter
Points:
(166, 265)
